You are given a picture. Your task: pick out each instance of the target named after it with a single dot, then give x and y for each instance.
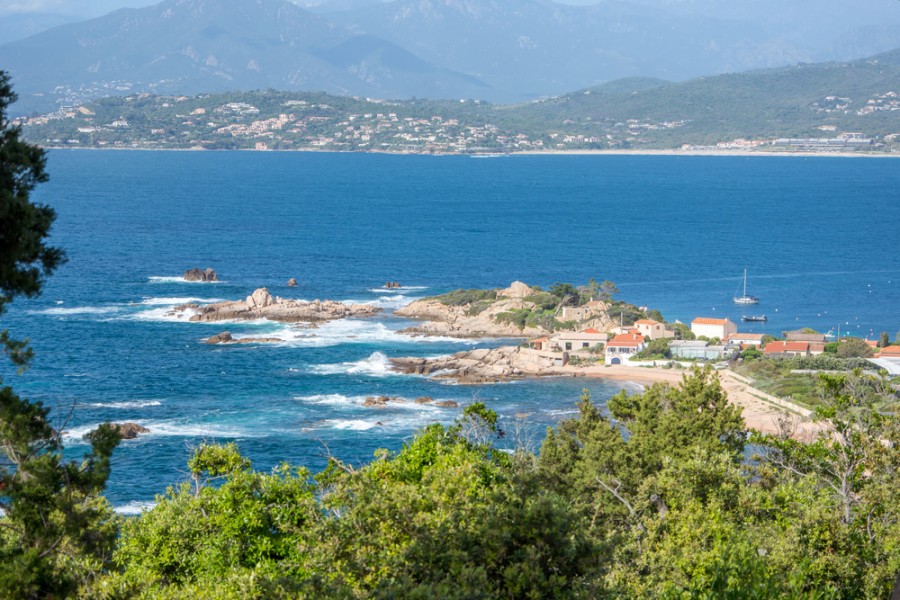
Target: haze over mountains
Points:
(497, 50)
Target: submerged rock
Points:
(381, 400)
(447, 404)
(128, 431)
(226, 338)
(200, 275)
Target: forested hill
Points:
(826, 101)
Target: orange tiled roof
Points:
(780, 347)
(627, 339)
(890, 351)
(708, 321)
(590, 330)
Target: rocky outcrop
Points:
(381, 401)
(292, 282)
(129, 431)
(479, 366)
(205, 275)
(484, 317)
(467, 321)
(226, 338)
(263, 305)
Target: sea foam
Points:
(134, 508)
(167, 279)
(376, 365)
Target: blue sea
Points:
(818, 237)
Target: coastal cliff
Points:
(517, 311)
(263, 305)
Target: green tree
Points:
(566, 293)
(854, 348)
(56, 533)
(884, 340)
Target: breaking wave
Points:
(134, 508)
(166, 279)
(376, 365)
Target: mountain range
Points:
(497, 50)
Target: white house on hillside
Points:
(712, 328)
(579, 340)
(622, 347)
(653, 330)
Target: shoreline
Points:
(643, 152)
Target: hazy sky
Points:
(95, 8)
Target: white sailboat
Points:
(744, 298)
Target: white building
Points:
(570, 341)
(653, 330)
(713, 328)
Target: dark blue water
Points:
(818, 236)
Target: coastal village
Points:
(148, 122)
(716, 340)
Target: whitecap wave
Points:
(74, 436)
(402, 288)
(178, 300)
(390, 302)
(351, 331)
(134, 508)
(77, 310)
(331, 399)
(359, 401)
(376, 365)
(163, 314)
(167, 279)
(196, 430)
(352, 424)
(124, 405)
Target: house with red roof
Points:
(620, 349)
(541, 343)
(889, 352)
(786, 349)
(713, 328)
(652, 330)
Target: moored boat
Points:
(744, 298)
(762, 318)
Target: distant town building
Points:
(579, 340)
(622, 347)
(697, 349)
(744, 339)
(713, 328)
(653, 330)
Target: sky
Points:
(96, 8)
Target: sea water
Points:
(817, 236)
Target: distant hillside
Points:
(806, 101)
(496, 50)
(193, 46)
(783, 102)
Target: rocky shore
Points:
(226, 338)
(479, 319)
(480, 366)
(263, 305)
